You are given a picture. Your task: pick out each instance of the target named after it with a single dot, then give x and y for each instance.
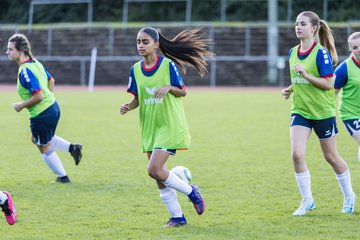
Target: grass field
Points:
(240, 157)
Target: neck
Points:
(150, 60)
(21, 59)
(306, 44)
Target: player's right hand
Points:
(124, 108)
(286, 92)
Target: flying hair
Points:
(187, 48)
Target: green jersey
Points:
(349, 102)
(25, 94)
(310, 101)
(162, 121)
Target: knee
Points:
(153, 172)
(297, 156)
(331, 158)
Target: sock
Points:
(60, 144)
(304, 184)
(173, 181)
(170, 199)
(54, 163)
(344, 181)
(3, 198)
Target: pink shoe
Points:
(9, 210)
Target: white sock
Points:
(59, 144)
(54, 163)
(170, 199)
(3, 198)
(344, 181)
(173, 181)
(304, 184)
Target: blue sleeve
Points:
(341, 76)
(29, 81)
(324, 63)
(289, 54)
(132, 87)
(48, 74)
(175, 77)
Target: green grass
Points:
(240, 157)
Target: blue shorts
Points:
(324, 129)
(352, 125)
(44, 125)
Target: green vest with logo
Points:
(162, 121)
(349, 102)
(310, 101)
(38, 70)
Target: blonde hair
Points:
(323, 34)
(22, 44)
(353, 36)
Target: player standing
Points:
(348, 79)
(311, 71)
(158, 89)
(35, 86)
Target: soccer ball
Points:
(182, 173)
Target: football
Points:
(183, 173)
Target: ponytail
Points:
(188, 48)
(323, 34)
(326, 39)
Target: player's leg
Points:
(156, 170)
(61, 144)
(342, 172)
(43, 129)
(326, 130)
(170, 199)
(7, 207)
(353, 127)
(299, 134)
(356, 136)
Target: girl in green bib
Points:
(348, 79)
(311, 72)
(157, 88)
(35, 88)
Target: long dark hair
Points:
(22, 44)
(187, 48)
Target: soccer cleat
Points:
(9, 210)
(349, 203)
(196, 198)
(307, 204)
(64, 179)
(176, 222)
(75, 151)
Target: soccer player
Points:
(348, 79)
(35, 86)
(8, 208)
(158, 89)
(311, 71)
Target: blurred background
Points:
(251, 38)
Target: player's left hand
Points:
(161, 92)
